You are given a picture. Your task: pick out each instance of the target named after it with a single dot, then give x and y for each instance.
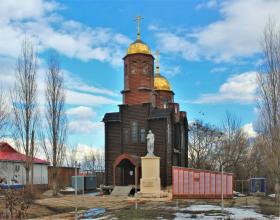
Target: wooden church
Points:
(148, 104)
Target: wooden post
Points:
(136, 178)
(114, 175)
(76, 186)
(222, 189)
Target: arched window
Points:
(142, 136)
(134, 132)
(145, 68)
(165, 102)
(125, 135)
(133, 67)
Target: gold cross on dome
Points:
(138, 19)
(157, 55)
(157, 62)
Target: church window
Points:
(133, 67)
(134, 132)
(145, 68)
(165, 102)
(125, 135)
(168, 133)
(142, 136)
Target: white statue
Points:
(150, 143)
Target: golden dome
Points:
(138, 46)
(161, 83)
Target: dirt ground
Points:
(130, 208)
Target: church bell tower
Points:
(138, 72)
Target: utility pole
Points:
(76, 208)
(222, 189)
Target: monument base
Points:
(150, 185)
(160, 194)
(150, 181)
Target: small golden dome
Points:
(138, 46)
(161, 83)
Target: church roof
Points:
(8, 153)
(112, 116)
(139, 46)
(161, 83)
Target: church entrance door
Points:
(126, 170)
(126, 173)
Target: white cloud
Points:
(6, 73)
(77, 92)
(172, 43)
(75, 83)
(81, 112)
(79, 98)
(40, 20)
(234, 36)
(80, 93)
(238, 88)
(14, 10)
(249, 130)
(81, 150)
(85, 127)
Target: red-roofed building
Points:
(12, 166)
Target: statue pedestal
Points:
(150, 181)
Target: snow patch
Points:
(214, 212)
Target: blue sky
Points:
(209, 51)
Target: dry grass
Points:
(123, 208)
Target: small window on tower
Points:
(145, 68)
(165, 102)
(133, 67)
(142, 136)
(134, 132)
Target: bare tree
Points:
(269, 101)
(256, 160)
(4, 114)
(100, 160)
(89, 161)
(55, 117)
(233, 147)
(24, 100)
(70, 157)
(93, 161)
(202, 138)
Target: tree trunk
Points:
(54, 175)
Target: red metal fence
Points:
(194, 183)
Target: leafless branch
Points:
(56, 119)
(24, 102)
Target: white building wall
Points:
(12, 170)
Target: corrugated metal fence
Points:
(194, 183)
